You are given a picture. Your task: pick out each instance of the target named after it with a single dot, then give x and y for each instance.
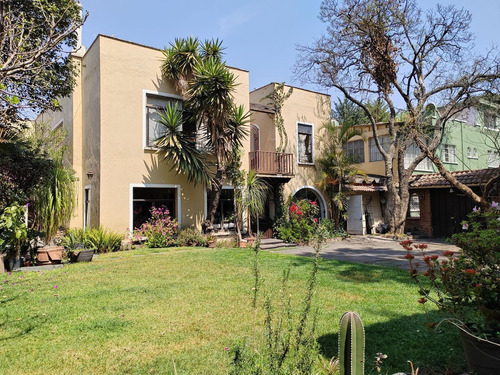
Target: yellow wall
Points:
(303, 106)
(375, 167)
(127, 71)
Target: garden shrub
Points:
(227, 243)
(191, 237)
(299, 221)
(101, 240)
(160, 230)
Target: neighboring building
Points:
(111, 121)
(469, 144)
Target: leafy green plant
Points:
(102, 240)
(465, 285)
(191, 237)
(288, 345)
(160, 229)
(54, 200)
(13, 231)
(299, 222)
(74, 239)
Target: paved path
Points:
(371, 250)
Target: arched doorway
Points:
(313, 194)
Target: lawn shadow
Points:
(407, 338)
(356, 272)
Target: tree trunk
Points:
(215, 193)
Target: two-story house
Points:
(469, 147)
(112, 123)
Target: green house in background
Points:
(470, 142)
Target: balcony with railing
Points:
(271, 163)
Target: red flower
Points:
(470, 271)
(422, 300)
(434, 257)
(299, 212)
(448, 253)
(313, 202)
(409, 256)
(422, 246)
(315, 220)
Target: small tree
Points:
(390, 50)
(337, 168)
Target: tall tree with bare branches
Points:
(393, 51)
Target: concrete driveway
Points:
(371, 250)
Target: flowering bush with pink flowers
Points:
(299, 222)
(160, 230)
(465, 284)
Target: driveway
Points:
(371, 250)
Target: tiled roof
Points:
(261, 108)
(469, 178)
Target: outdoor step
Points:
(274, 243)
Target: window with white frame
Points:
(493, 160)
(355, 150)
(412, 152)
(155, 104)
(449, 154)
(305, 143)
(385, 142)
(414, 207)
(144, 198)
(490, 121)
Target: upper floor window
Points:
(449, 154)
(490, 121)
(305, 143)
(355, 150)
(385, 142)
(412, 152)
(155, 104)
(493, 161)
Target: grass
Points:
(126, 314)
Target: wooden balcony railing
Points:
(271, 163)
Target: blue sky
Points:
(259, 35)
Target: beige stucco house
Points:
(111, 124)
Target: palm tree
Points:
(336, 168)
(254, 197)
(208, 86)
(179, 149)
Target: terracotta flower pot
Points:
(49, 255)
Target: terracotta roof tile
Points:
(469, 178)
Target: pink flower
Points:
(494, 204)
(475, 209)
(315, 220)
(55, 286)
(465, 226)
(226, 349)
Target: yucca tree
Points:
(254, 198)
(179, 149)
(208, 86)
(336, 168)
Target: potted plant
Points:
(211, 240)
(466, 285)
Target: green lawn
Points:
(126, 314)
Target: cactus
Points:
(351, 344)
